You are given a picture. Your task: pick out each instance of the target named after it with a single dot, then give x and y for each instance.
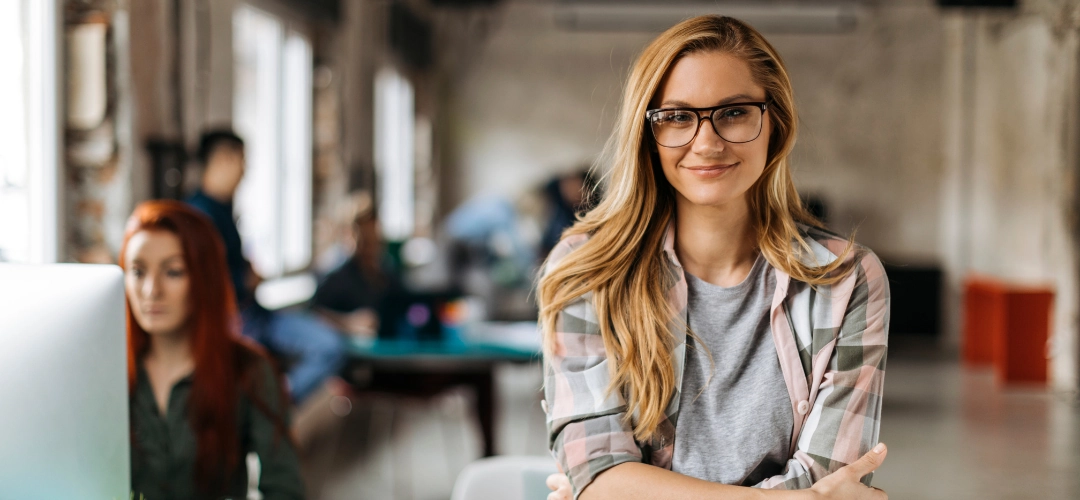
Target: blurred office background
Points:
(943, 132)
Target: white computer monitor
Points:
(63, 383)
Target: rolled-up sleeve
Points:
(587, 428)
(844, 422)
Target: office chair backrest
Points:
(505, 478)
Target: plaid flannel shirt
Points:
(831, 341)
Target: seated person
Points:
(314, 350)
(201, 396)
(351, 296)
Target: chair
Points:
(505, 478)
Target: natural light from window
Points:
(395, 153)
(28, 137)
(272, 110)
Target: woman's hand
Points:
(560, 486)
(844, 483)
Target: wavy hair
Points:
(622, 263)
(226, 365)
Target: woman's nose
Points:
(151, 286)
(707, 139)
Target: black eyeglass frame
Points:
(763, 105)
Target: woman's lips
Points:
(712, 170)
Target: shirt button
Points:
(543, 405)
(804, 406)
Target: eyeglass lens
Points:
(676, 128)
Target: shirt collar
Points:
(141, 377)
(226, 207)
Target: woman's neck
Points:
(716, 244)
(171, 353)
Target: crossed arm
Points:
(632, 481)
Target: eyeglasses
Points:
(735, 123)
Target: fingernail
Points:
(879, 448)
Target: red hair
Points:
(226, 364)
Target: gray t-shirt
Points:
(736, 427)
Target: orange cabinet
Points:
(1007, 326)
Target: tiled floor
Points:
(952, 434)
(412, 449)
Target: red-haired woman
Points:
(201, 396)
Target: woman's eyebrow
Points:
(736, 98)
(166, 261)
(675, 103)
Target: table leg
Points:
(429, 384)
(485, 409)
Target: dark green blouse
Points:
(163, 447)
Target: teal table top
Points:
(515, 342)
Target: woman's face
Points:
(157, 282)
(710, 171)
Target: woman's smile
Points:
(711, 171)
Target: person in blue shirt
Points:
(315, 350)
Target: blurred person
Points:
(313, 349)
(487, 229)
(492, 247)
(568, 195)
(201, 396)
(335, 232)
(703, 333)
(352, 295)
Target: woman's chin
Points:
(714, 199)
(161, 330)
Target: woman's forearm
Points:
(632, 480)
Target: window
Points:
(273, 113)
(395, 153)
(28, 131)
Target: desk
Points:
(427, 368)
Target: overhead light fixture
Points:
(769, 17)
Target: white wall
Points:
(870, 141)
(534, 101)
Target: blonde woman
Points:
(703, 334)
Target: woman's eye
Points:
(732, 113)
(682, 118)
(175, 273)
(138, 273)
(677, 119)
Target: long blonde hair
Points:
(623, 264)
